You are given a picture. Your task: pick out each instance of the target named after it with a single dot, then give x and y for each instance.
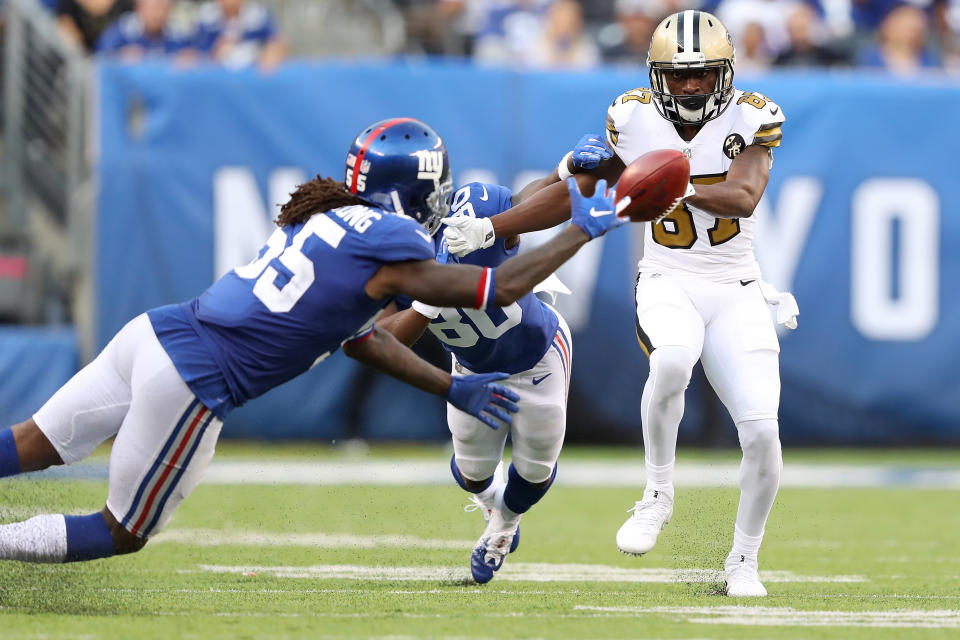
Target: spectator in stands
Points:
(902, 43)
(809, 45)
(145, 32)
(629, 40)
(753, 50)
(947, 22)
(562, 42)
(510, 32)
(83, 21)
(238, 33)
(769, 15)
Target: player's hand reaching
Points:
(595, 215)
(590, 152)
(480, 397)
(466, 234)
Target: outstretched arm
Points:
(455, 285)
(406, 326)
(477, 395)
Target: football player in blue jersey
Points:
(529, 340)
(342, 252)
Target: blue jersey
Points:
(269, 321)
(509, 339)
(128, 30)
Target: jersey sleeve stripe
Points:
(768, 143)
(768, 138)
(612, 134)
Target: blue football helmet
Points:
(401, 165)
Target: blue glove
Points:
(590, 151)
(478, 396)
(595, 215)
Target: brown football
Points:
(655, 183)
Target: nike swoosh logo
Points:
(425, 236)
(540, 379)
(601, 213)
(746, 282)
(484, 196)
(774, 110)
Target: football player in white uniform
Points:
(699, 292)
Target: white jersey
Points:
(690, 241)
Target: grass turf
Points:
(901, 542)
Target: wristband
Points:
(562, 169)
(485, 289)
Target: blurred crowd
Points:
(235, 33)
(900, 36)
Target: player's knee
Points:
(535, 472)
(672, 367)
(34, 450)
(760, 440)
(475, 473)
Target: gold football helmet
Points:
(691, 40)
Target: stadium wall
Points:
(858, 221)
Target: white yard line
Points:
(219, 537)
(516, 572)
(577, 473)
(789, 617)
(572, 474)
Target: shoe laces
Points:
(649, 511)
(476, 504)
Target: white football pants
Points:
(165, 437)
(538, 426)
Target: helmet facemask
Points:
(437, 204)
(691, 109)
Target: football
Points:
(654, 183)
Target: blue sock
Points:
(88, 538)
(459, 478)
(9, 460)
(522, 494)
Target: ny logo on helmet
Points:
(431, 165)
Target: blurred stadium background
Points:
(132, 178)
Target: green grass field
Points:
(345, 561)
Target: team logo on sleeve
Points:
(733, 145)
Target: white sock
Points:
(488, 495)
(745, 546)
(661, 405)
(510, 519)
(40, 539)
(659, 478)
(759, 475)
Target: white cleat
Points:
(743, 580)
(639, 533)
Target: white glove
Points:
(786, 304)
(690, 191)
(466, 234)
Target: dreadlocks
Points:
(316, 196)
